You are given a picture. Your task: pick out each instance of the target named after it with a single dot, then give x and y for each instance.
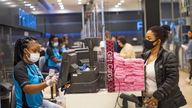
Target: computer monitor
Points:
(82, 55)
(92, 42)
(69, 58)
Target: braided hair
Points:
(20, 45)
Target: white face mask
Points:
(56, 44)
(34, 57)
(63, 46)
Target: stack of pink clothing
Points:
(129, 74)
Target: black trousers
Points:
(190, 72)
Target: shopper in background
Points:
(53, 57)
(116, 46)
(127, 50)
(162, 73)
(66, 42)
(107, 37)
(188, 50)
(169, 38)
(28, 80)
(62, 47)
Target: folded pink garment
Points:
(129, 79)
(139, 80)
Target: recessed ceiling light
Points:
(60, 3)
(59, 0)
(8, 3)
(34, 9)
(24, 2)
(13, 5)
(79, 3)
(31, 7)
(3, 0)
(122, 1)
(119, 4)
(116, 6)
(27, 4)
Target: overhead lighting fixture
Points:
(3, 0)
(28, 4)
(122, 1)
(31, 7)
(24, 2)
(59, 0)
(116, 6)
(119, 4)
(79, 3)
(60, 3)
(8, 3)
(34, 9)
(13, 5)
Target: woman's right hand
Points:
(52, 80)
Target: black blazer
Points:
(167, 77)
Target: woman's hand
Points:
(151, 102)
(67, 86)
(52, 80)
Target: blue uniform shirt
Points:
(52, 52)
(27, 74)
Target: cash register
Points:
(70, 73)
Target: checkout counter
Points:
(86, 90)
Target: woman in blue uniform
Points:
(52, 54)
(28, 80)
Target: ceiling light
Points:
(34, 9)
(119, 4)
(59, 0)
(3, 0)
(24, 2)
(116, 6)
(60, 3)
(31, 6)
(61, 6)
(27, 4)
(13, 6)
(122, 1)
(79, 3)
(8, 3)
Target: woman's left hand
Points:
(151, 102)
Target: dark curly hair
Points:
(19, 48)
(160, 33)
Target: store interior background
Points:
(125, 21)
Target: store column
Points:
(151, 10)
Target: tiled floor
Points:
(186, 89)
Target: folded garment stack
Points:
(129, 74)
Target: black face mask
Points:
(149, 44)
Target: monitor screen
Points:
(27, 20)
(69, 58)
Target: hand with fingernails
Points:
(151, 102)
